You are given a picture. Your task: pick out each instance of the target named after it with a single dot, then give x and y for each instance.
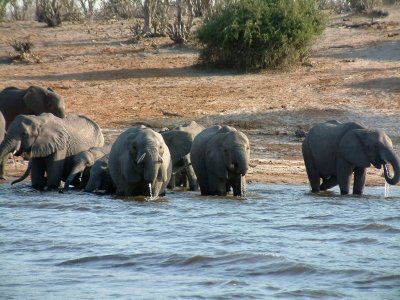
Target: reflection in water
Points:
(280, 241)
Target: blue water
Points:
(281, 242)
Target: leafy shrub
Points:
(259, 34)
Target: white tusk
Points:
(141, 158)
(160, 159)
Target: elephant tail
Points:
(25, 175)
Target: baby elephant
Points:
(333, 151)
(99, 178)
(220, 157)
(140, 163)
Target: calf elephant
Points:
(333, 151)
(179, 141)
(140, 163)
(100, 178)
(31, 101)
(220, 157)
(51, 143)
(84, 160)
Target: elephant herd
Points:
(70, 149)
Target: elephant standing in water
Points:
(179, 141)
(99, 177)
(332, 151)
(140, 163)
(82, 163)
(31, 101)
(51, 143)
(220, 157)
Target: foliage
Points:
(49, 12)
(3, 9)
(259, 34)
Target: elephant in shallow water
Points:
(100, 178)
(51, 143)
(2, 134)
(140, 159)
(333, 151)
(82, 163)
(31, 101)
(220, 157)
(179, 141)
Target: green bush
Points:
(258, 34)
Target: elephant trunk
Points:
(240, 162)
(25, 175)
(77, 169)
(150, 171)
(391, 158)
(8, 146)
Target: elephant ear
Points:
(353, 148)
(178, 142)
(34, 99)
(52, 137)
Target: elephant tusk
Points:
(141, 158)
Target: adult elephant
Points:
(31, 101)
(51, 143)
(84, 160)
(220, 157)
(100, 178)
(179, 141)
(140, 163)
(333, 151)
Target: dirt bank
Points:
(353, 74)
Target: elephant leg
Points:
(216, 186)
(360, 175)
(54, 169)
(2, 168)
(344, 171)
(38, 179)
(328, 183)
(312, 172)
(171, 184)
(190, 175)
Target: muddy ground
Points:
(353, 74)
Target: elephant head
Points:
(144, 160)
(38, 135)
(40, 100)
(363, 147)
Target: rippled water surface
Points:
(280, 242)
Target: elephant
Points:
(220, 157)
(333, 151)
(179, 141)
(99, 177)
(2, 134)
(31, 101)
(140, 163)
(51, 143)
(82, 163)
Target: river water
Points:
(279, 242)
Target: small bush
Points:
(259, 34)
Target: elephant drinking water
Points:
(220, 157)
(333, 151)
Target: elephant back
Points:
(84, 133)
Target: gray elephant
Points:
(179, 141)
(100, 178)
(140, 163)
(333, 151)
(51, 143)
(82, 163)
(31, 101)
(220, 157)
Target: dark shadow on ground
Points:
(387, 51)
(389, 84)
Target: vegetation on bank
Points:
(260, 34)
